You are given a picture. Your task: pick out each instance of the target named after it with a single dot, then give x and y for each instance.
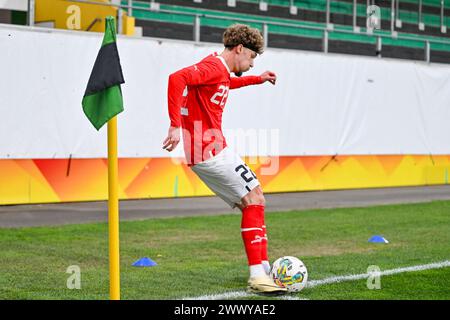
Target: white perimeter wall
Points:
(21, 5)
(321, 105)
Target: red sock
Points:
(264, 240)
(252, 232)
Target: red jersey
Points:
(197, 96)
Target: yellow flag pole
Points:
(113, 212)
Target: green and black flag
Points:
(103, 97)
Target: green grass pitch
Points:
(204, 255)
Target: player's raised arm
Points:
(238, 82)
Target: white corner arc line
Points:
(437, 265)
(331, 280)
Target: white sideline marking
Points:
(291, 298)
(316, 283)
(222, 296)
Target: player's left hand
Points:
(269, 76)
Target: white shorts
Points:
(227, 175)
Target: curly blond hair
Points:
(237, 34)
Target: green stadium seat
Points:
(288, 32)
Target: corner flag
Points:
(103, 97)
(102, 101)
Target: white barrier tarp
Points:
(321, 104)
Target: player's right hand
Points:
(172, 140)
(269, 76)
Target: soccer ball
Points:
(289, 272)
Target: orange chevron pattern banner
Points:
(63, 180)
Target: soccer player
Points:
(196, 99)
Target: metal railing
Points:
(265, 26)
(31, 12)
